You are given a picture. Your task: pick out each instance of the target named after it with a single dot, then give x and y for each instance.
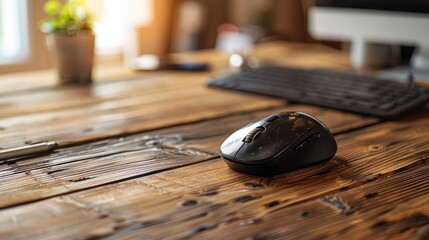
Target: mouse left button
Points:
(233, 143)
(229, 149)
(231, 146)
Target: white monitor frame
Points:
(366, 29)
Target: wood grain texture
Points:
(166, 180)
(111, 70)
(204, 200)
(72, 96)
(112, 160)
(391, 208)
(125, 108)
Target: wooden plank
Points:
(47, 78)
(199, 199)
(374, 210)
(392, 208)
(72, 96)
(129, 115)
(111, 160)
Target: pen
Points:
(32, 149)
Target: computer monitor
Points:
(371, 25)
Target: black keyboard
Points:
(329, 88)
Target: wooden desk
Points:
(139, 159)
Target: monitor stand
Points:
(420, 58)
(401, 73)
(372, 55)
(419, 67)
(378, 56)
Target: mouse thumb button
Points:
(313, 137)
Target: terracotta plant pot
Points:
(73, 57)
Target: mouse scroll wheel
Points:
(253, 134)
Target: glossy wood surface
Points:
(138, 158)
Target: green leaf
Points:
(69, 18)
(52, 7)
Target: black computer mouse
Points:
(279, 143)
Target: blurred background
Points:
(127, 29)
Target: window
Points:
(22, 45)
(115, 22)
(14, 44)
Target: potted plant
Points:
(70, 39)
